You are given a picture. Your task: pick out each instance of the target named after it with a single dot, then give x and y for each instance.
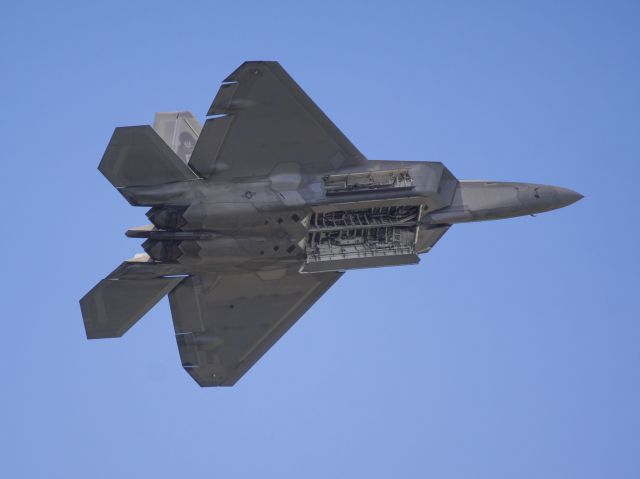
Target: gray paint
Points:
(257, 213)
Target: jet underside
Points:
(257, 213)
(355, 218)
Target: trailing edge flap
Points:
(138, 156)
(224, 323)
(119, 301)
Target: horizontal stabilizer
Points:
(138, 156)
(114, 305)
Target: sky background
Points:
(511, 350)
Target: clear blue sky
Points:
(512, 350)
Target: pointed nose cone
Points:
(547, 198)
(566, 197)
(476, 200)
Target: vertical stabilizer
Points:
(180, 130)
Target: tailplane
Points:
(138, 156)
(126, 295)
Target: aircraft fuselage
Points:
(382, 214)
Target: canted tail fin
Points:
(138, 156)
(180, 130)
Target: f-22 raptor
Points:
(256, 214)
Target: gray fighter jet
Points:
(258, 212)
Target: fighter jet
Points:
(256, 214)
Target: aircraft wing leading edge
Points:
(262, 118)
(224, 323)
